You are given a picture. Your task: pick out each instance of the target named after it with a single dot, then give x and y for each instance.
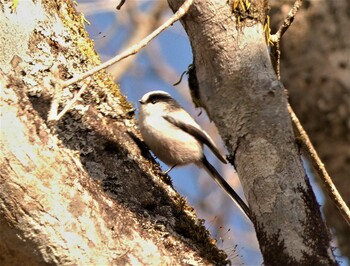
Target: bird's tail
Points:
(225, 186)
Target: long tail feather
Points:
(225, 186)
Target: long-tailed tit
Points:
(176, 139)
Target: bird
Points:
(176, 138)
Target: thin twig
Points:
(289, 19)
(319, 167)
(120, 4)
(276, 38)
(143, 24)
(54, 103)
(135, 48)
(57, 92)
(72, 101)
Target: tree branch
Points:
(73, 101)
(288, 20)
(276, 38)
(135, 48)
(143, 24)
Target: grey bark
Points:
(84, 191)
(316, 73)
(241, 93)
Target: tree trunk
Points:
(316, 73)
(80, 192)
(241, 93)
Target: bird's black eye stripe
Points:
(159, 97)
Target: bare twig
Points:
(319, 167)
(53, 116)
(276, 38)
(54, 103)
(120, 4)
(73, 101)
(57, 92)
(289, 19)
(135, 48)
(143, 24)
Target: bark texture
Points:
(315, 69)
(241, 93)
(80, 192)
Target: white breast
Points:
(168, 142)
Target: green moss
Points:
(75, 22)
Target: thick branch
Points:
(82, 193)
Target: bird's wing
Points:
(193, 129)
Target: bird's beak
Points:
(141, 102)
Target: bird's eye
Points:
(153, 101)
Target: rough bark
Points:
(315, 69)
(80, 192)
(241, 93)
